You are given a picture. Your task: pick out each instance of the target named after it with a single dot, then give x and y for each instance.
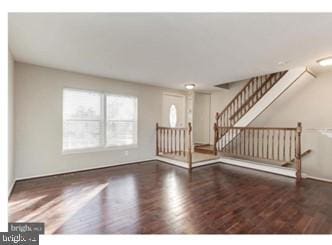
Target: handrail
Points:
(245, 99)
(255, 95)
(251, 89)
(266, 143)
(244, 88)
(177, 141)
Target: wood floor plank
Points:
(158, 198)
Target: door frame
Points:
(183, 97)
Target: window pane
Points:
(172, 116)
(81, 134)
(121, 108)
(121, 133)
(81, 105)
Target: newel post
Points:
(189, 146)
(215, 138)
(298, 152)
(157, 140)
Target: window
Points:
(82, 119)
(121, 121)
(97, 120)
(172, 116)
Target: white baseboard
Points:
(82, 169)
(306, 176)
(241, 163)
(11, 188)
(185, 164)
(261, 167)
(208, 162)
(173, 162)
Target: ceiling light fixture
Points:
(189, 86)
(325, 62)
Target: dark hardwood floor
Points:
(154, 197)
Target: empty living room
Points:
(168, 123)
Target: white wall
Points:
(11, 168)
(38, 121)
(201, 125)
(309, 102)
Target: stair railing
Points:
(174, 141)
(245, 99)
(281, 145)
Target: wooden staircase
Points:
(249, 95)
(276, 146)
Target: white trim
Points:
(186, 164)
(99, 149)
(223, 160)
(306, 176)
(208, 162)
(172, 161)
(260, 166)
(85, 169)
(11, 187)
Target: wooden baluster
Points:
(220, 135)
(163, 140)
(184, 142)
(215, 127)
(298, 152)
(256, 89)
(244, 141)
(253, 143)
(166, 132)
(234, 141)
(290, 145)
(268, 144)
(248, 141)
(241, 102)
(272, 144)
(175, 141)
(231, 142)
(170, 139)
(284, 145)
(157, 140)
(257, 143)
(189, 147)
(263, 141)
(240, 135)
(258, 148)
(164, 143)
(278, 144)
(260, 85)
(179, 141)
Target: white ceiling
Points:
(170, 50)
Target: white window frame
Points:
(103, 134)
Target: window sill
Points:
(99, 149)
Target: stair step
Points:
(206, 149)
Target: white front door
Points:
(173, 110)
